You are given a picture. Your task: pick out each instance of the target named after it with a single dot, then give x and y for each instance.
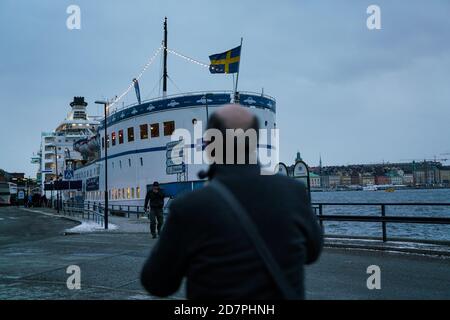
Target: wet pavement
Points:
(35, 254)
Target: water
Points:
(416, 231)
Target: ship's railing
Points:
(383, 219)
(84, 210)
(192, 93)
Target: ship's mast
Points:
(165, 59)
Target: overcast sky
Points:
(351, 94)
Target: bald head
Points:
(234, 116)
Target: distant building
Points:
(355, 179)
(444, 176)
(396, 180)
(314, 180)
(330, 181)
(367, 179)
(408, 179)
(346, 180)
(380, 180)
(426, 177)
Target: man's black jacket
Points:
(156, 199)
(204, 242)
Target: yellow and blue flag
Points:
(226, 62)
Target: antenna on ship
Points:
(165, 59)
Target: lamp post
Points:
(56, 179)
(59, 193)
(105, 104)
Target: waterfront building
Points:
(444, 175)
(408, 179)
(346, 180)
(381, 180)
(314, 180)
(367, 179)
(395, 178)
(334, 180)
(425, 177)
(355, 179)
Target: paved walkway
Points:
(141, 225)
(119, 224)
(33, 266)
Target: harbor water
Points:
(394, 230)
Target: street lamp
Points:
(105, 104)
(59, 199)
(56, 179)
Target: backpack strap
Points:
(252, 232)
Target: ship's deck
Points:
(189, 100)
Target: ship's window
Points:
(120, 164)
(265, 123)
(113, 138)
(142, 162)
(128, 193)
(132, 193)
(109, 194)
(138, 192)
(113, 164)
(194, 121)
(120, 136)
(130, 134)
(154, 130)
(144, 131)
(129, 162)
(169, 128)
(107, 141)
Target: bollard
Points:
(320, 216)
(383, 223)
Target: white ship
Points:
(138, 140)
(57, 156)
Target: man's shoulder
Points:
(191, 200)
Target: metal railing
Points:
(383, 219)
(95, 211)
(87, 210)
(192, 93)
(127, 210)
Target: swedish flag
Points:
(226, 62)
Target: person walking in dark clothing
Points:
(156, 199)
(206, 240)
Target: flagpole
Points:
(236, 98)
